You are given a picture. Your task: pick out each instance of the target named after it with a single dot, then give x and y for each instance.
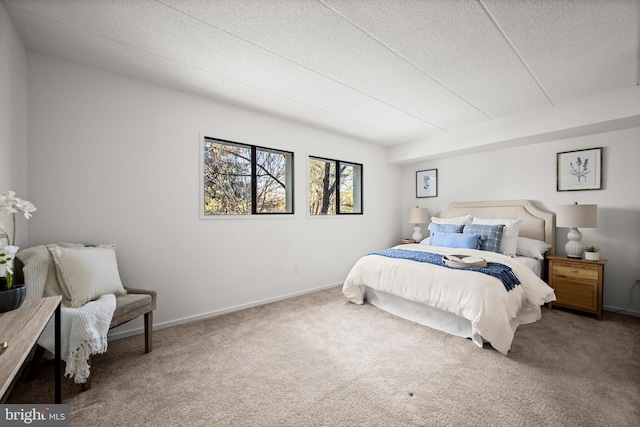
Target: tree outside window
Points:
(241, 179)
(335, 187)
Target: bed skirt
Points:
(422, 314)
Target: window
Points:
(241, 179)
(335, 187)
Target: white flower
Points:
(11, 204)
(26, 207)
(4, 197)
(7, 255)
(11, 250)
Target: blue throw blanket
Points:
(501, 271)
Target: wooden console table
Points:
(20, 329)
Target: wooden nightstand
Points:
(577, 283)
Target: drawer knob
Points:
(574, 270)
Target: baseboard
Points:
(137, 331)
(621, 311)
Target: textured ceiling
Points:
(386, 71)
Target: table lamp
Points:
(576, 216)
(418, 216)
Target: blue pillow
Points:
(455, 240)
(492, 235)
(446, 228)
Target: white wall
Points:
(13, 119)
(529, 172)
(113, 159)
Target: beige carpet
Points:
(318, 360)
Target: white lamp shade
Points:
(418, 215)
(577, 216)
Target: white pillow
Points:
(86, 273)
(458, 220)
(509, 242)
(532, 248)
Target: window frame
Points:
(254, 181)
(337, 163)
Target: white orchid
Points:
(11, 204)
(26, 207)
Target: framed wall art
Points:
(579, 170)
(427, 183)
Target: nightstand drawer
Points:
(575, 271)
(578, 295)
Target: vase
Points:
(10, 299)
(592, 256)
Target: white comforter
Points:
(482, 299)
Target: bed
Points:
(460, 301)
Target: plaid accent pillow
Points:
(492, 234)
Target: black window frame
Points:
(337, 166)
(254, 178)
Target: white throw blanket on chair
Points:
(84, 329)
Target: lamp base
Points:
(573, 247)
(417, 235)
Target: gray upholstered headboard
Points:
(537, 224)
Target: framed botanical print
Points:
(579, 170)
(427, 183)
